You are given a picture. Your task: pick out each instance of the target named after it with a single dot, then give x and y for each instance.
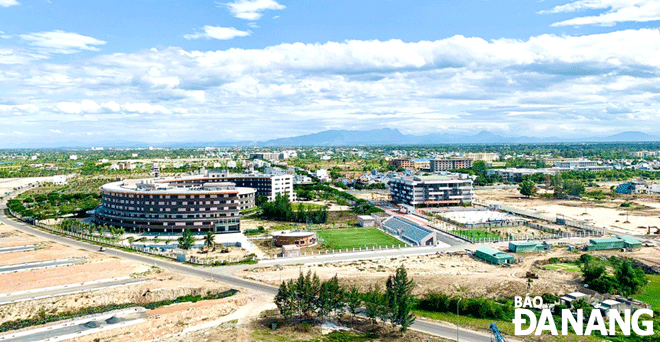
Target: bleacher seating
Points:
(407, 230)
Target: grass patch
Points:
(563, 267)
(651, 292)
(476, 234)
(356, 237)
(307, 206)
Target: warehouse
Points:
(528, 246)
(619, 242)
(630, 242)
(605, 244)
(492, 256)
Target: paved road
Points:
(17, 249)
(365, 255)
(223, 274)
(39, 265)
(73, 329)
(65, 290)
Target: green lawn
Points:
(563, 267)
(307, 206)
(476, 234)
(355, 237)
(651, 293)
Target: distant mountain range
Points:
(383, 136)
(388, 136)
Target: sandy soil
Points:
(608, 213)
(160, 284)
(443, 273)
(45, 251)
(453, 274)
(190, 321)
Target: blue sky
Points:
(169, 71)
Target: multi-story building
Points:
(265, 155)
(423, 164)
(581, 165)
(516, 174)
(487, 157)
(450, 164)
(403, 163)
(169, 206)
(265, 184)
(431, 190)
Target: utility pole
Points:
(458, 317)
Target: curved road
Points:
(222, 274)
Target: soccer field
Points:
(651, 292)
(355, 238)
(476, 234)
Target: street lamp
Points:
(458, 317)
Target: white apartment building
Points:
(431, 190)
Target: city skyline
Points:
(254, 70)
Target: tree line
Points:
(309, 299)
(625, 281)
(280, 209)
(76, 226)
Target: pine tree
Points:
(285, 301)
(400, 301)
(352, 300)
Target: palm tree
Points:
(209, 240)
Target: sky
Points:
(96, 72)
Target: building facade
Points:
(450, 164)
(431, 190)
(268, 185)
(403, 163)
(162, 205)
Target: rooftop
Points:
(162, 186)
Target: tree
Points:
(209, 240)
(374, 304)
(187, 240)
(528, 188)
(400, 300)
(574, 187)
(630, 279)
(285, 301)
(352, 300)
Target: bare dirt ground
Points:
(453, 274)
(442, 273)
(644, 211)
(159, 285)
(216, 320)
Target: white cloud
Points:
(86, 106)
(56, 131)
(62, 42)
(619, 11)
(252, 9)
(589, 83)
(7, 3)
(216, 32)
(19, 109)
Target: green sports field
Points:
(355, 237)
(476, 234)
(307, 206)
(651, 292)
